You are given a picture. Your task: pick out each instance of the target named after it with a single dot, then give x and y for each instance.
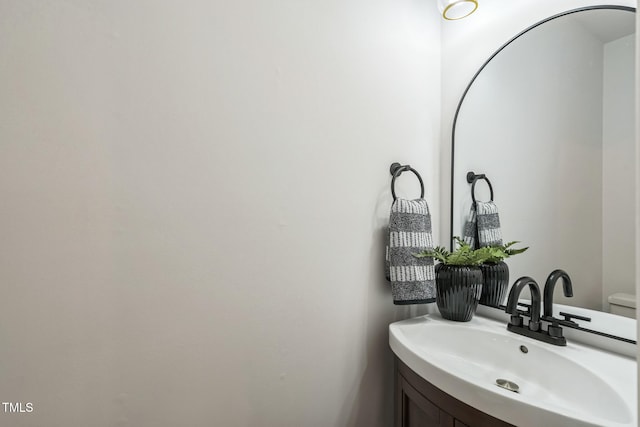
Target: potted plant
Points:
(495, 273)
(458, 280)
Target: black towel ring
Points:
(472, 178)
(396, 170)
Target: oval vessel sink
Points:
(517, 379)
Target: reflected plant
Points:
(499, 253)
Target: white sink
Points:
(573, 386)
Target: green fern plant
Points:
(464, 255)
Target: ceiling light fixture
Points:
(457, 9)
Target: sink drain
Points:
(508, 385)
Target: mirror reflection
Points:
(550, 120)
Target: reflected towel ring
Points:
(396, 170)
(472, 178)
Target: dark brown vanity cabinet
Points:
(419, 403)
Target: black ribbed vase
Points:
(495, 281)
(458, 289)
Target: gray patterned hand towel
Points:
(483, 226)
(412, 279)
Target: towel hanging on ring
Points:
(412, 279)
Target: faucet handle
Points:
(554, 328)
(533, 325)
(568, 318)
(517, 320)
(525, 305)
(526, 312)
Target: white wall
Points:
(618, 169)
(194, 197)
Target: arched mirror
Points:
(549, 118)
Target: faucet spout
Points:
(514, 294)
(549, 287)
(553, 335)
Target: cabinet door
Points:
(420, 403)
(417, 411)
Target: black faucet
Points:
(532, 330)
(549, 287)
(534, 310)
(554, 328)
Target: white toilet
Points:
(623, 304)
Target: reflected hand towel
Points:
(483, 226)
